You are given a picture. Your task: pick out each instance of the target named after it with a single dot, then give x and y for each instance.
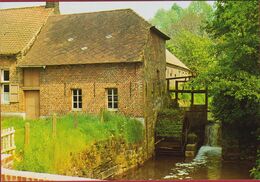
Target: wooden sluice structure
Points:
(194, 119)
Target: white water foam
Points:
(182, 170)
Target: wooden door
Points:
(31, 77)
(32, 104)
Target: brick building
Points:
(52, 63)
(174, 67)
(18, 31)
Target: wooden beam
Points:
(189, 91)
(175, 78)
(192, 98)
(168, 85)
(176, 93)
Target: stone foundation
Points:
(238, 143)
(108, 158)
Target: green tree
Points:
(235, 78)
(189, 42)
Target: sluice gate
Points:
(174, 126)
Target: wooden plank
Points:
(31, 77)
(168, 85)
(176, 93)
(32, 104)
(30, 88)
(7, 133)
(7, 140)
(175, 78)
(27, 134)
(189, 91)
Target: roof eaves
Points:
(160, 33)
(10, 53)
(21, 65)
(177, 66)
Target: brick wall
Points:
(141, 86)
(57, 82)
(10, 63)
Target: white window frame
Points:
(113, 95)
(2, 76)
(3, 83)
(3, 101)
(77, 101)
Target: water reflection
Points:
(163, 166)
(207, 164)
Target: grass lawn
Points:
(47, 154)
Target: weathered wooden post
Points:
(54, 125)
(192, 97)
(101, 115)
(27, 134)
(176, 91)
(168, 85)
(75, 121)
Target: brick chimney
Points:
(53, 4)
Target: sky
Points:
(145, 9)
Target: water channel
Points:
(207, 164)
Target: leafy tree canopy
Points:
(234, 79)
(189, 42)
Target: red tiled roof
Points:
(19, 26)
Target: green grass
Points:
(53, 155)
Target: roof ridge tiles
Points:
(19, 8)
(94, 12)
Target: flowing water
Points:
(206, 165)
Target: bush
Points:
(192, 138)
(255, 172)
(169, 123)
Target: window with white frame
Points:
(5, 87)
(112, 98)
(77, 99)
(5, 75)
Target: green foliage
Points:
(193, 50)
(255, 172)
(189, 42)
(234, 79)
(169, 123)
(54, 155)
(192, 138)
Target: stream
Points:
(207, 164)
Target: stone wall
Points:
(107, 158)
(155, 90)
(238, 142)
